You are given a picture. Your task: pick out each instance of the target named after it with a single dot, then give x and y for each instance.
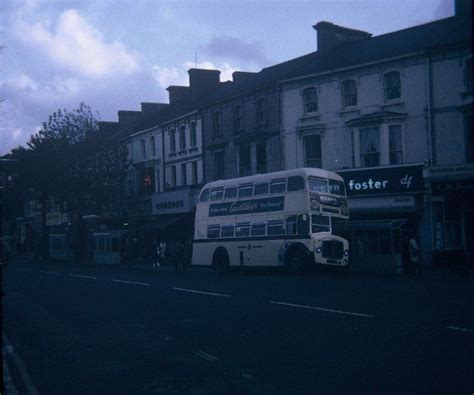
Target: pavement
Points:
(70, 329)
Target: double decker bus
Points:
(274, 219)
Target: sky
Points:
(116, 54)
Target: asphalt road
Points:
(110, 330)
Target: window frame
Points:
(345, 85)
(182, 138)
(310, 161)
(261, 110)
(193, 134)
(172, 137)
(387, 87)
(305, 102)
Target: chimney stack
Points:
(108, 127)
(127, 118)
(177, 93)
(331, 36)
(203, 81)
(149, 109)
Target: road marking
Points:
(202, 292)
(455, 328)
(208, 357)
(247, 376)
(8, 349)
(47, 272)
(82, 276)
(323, 309)
(130, 282)
(167, 338)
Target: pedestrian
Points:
(414, 254)
(161, 253)
(179, 256)
(156, 254)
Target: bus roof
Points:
(304, 171)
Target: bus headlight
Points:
(346, 252)
(318, 250)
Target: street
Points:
(71, 329)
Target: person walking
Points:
(179, 256)
(414, 254)
(161, 253)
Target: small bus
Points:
(274, 219)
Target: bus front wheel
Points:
(220, 261)
(295, 262)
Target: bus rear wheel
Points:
(220, 260)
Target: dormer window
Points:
(310, 99)
(392, 85)
(349, 93)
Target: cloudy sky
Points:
(115, 54)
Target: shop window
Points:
(349, 93)
(392, 85)
(369, 147)
(312, 150)
(452, 225)
(395, 144)
(310, 99)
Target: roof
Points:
(442, 33)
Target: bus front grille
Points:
(332, 249)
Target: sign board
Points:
(173, 202)
(464, 171)
(466, 186)
(247, 206)
(382, 202)
(383, 180)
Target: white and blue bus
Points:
(274, 219)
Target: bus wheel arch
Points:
(220, 260)
(296, 258)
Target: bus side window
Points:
(227, 231)
(275, 228)
(230, 193)
(258, 229)
(303, 224)
(278, 186)
(261, 189)
(204, 196)
(242, 230)
(296, 183)
(291, 225)
(213, 231)
(245, 191)
(217, 194)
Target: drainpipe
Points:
(429, 94)
(280, 112)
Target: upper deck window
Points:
(318, 184)
(261, 189)
(337, 187)
(227, 231)
(278, 186)
(204, 195)
(217, 194)
(245, 191)
(258, 229)
(213, 231)
(242, 229)
(230, 193)
(296, 183)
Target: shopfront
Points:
(452, 213)
(384, 203)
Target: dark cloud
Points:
(232, 48)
